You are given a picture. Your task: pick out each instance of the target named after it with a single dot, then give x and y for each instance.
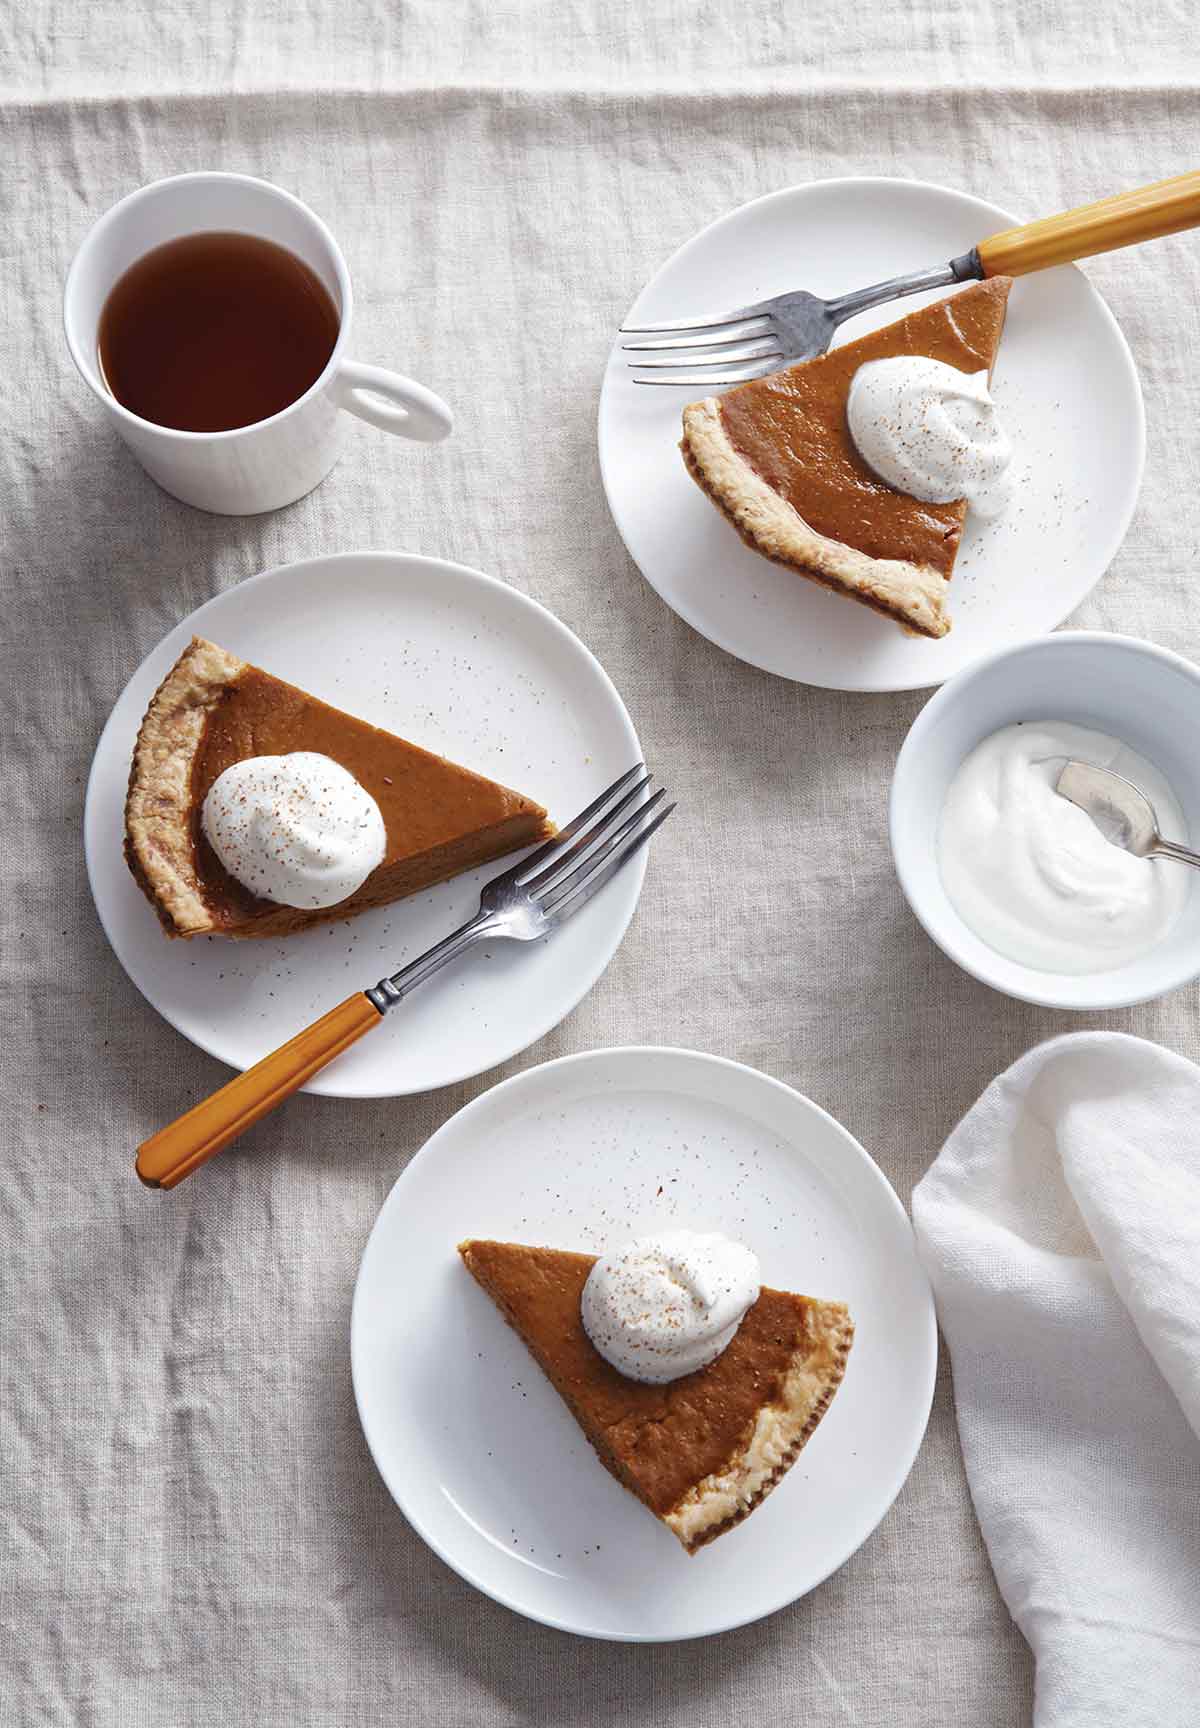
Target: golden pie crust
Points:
(700, 1452)
(776, 458)
(213, 709)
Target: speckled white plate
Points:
(1065, 384)
(457, 662)
(587, 1152)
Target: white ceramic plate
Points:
(587, 1152)
(1065, 383)
(457, 662)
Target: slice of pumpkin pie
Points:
(701, 1450)
(777, 458)
(215, 716)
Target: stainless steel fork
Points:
(751, 341)
(532, 899)
(762, 338)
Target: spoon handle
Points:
(1170, 849)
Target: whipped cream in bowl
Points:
(931, 431)
(1033, 875)
(1140, 699)
(669, 1304)
(297, 829)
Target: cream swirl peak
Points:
(931, 431)
(669, 1304)
(296, 829)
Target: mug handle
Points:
(393, 403)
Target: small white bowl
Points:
(1146, 696)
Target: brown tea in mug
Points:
(214, 331)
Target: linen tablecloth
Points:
(193, 1531)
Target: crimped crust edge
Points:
(781, 1432)
(912, 594)
(159, 847)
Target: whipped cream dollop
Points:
(931, 431)
(1032, 874)
(296, 829)
(669, 1304)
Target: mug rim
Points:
(341, 271)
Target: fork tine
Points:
(563, 885)
(722, 318)
(730, 359)
(686, 342)
(523, 869)
(601, 868)
(705, 380)
(558, 866)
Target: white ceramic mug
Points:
(274, 461)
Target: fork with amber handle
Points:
(746, 342)
(526, 902)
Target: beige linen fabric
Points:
(193, 1531)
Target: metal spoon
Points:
(1123, 814)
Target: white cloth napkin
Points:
(1060, 1226)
